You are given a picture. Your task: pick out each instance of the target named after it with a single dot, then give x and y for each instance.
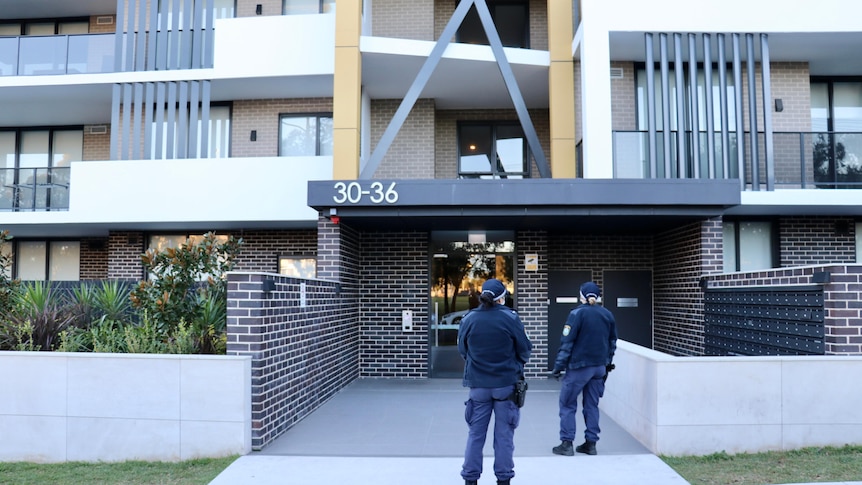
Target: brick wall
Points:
(532, 294)
(842, 298)
(682, 257)
(538, 10)
(124, 255)
(605, 252)
(446, 135)
(403, 19)
(246, 8)
(262, 115)
(394, 278)
(261, 249)
(96, 28)
(259, 252)
(411, 154)
(94, 258)
(816, 240)
(97, 147)
(301, 355)
(623, 102)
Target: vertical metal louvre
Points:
(691, 136)
(161, 120)
(164, 35)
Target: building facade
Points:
(410, 150)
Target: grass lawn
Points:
(798, 466)
(191, 472)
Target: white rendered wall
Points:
(59, 407)
(705, 405)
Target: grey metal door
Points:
(563, 290)
(628, 295)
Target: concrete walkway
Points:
(388, 432)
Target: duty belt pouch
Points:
(519, 395)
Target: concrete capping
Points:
(703, 405)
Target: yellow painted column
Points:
(347, 90)
(561, 89)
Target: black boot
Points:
(503, 482)
(565, 449)
(589, 448)
(470, 482)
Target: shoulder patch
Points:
(566, 330)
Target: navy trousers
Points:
(481, 404)
(589, 381)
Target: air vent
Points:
(616, 73)
(105, 20)
(97, 129)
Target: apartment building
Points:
(703, 169)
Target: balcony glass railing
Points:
(34, 189)
(801, 159)
(56, 54)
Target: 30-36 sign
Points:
(354, 192)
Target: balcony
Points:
(801, 160)
(34, 189)
(56, 54)
(90, 197)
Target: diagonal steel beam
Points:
(425, 74)
(514, 91)
(415, 90)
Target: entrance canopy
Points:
(580, 204)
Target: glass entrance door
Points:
(459, 266)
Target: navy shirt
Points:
(495, 345)
(589, 338)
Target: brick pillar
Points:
(124, 256)
(532, 293)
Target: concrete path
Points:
(412, 432)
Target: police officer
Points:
(495, 346)
(586, 353)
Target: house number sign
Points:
(356, 192)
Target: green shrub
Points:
(38, 308)
(174, 294)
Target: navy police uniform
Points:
(495, 346)
(587, 346)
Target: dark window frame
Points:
(473, 18)
(774, 242)
(317, 115)
(526, 162)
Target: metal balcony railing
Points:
(831, 160)
(34, 189)
(56, 54)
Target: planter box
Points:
(58, 406)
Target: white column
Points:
(596, 101)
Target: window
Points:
(298, 266)
(748, 246)
(492, 150)
(34, 167)
(511, 17)
(46, 27)
(836, 120)
(48, 260)
(298, 7)
(305, 135)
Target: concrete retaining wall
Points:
(702, 405)
(57, 406)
